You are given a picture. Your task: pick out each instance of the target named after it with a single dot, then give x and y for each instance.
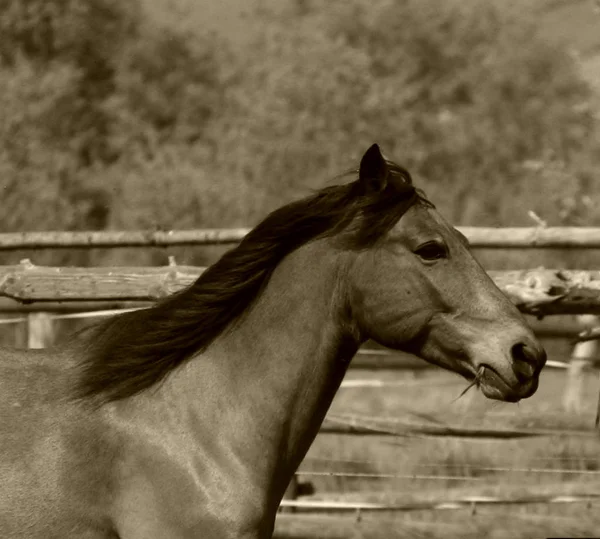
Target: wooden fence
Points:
(37, 289)
(39, 295)
(479, 237)
(539, 292)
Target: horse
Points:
(189, 418)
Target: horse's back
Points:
(47, 441)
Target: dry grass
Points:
(512, 523)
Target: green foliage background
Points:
(125, 115)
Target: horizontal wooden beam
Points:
(11, 241)
(365, 426)
(336, 505)
(12, 307)
(542, 292)
(539, 292)
(333, 427)
(26, 282)
(528, 237)
(479, 237)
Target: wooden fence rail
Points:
(12, 241)
(453, 503)
(479, 237)
(363, 425)
(539, 291)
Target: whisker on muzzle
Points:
(473, 383)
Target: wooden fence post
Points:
(291, 493)
(583, 354)
(40, 330)
(295, 490)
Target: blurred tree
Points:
(460, 92)
(88, 87)
(112, 118)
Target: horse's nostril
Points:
(525, 362)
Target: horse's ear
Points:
(373, 172)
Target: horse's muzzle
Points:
(528, 358)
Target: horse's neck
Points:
(281, 365)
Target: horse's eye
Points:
(432, 250)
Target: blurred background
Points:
(192, 113)
(180, 114)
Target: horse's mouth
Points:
(494, 386)
(491, 383)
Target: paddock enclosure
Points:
(399, 453)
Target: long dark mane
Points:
(133, 351)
